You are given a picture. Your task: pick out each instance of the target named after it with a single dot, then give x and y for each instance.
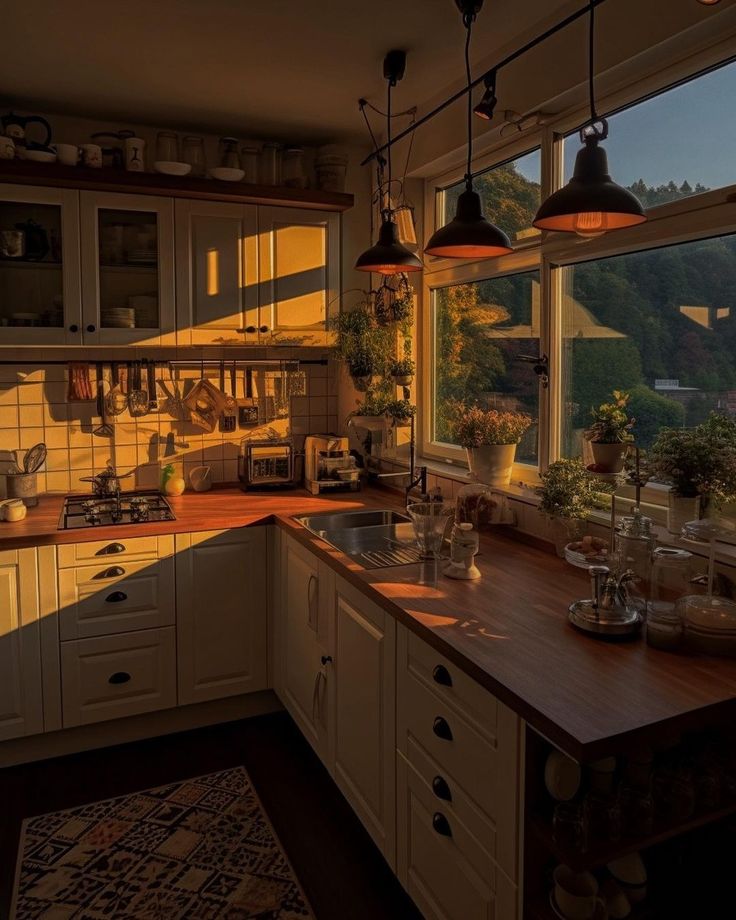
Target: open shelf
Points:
(29, 263)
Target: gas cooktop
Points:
(126, 508)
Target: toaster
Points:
(266, 464)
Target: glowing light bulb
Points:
(590, 224)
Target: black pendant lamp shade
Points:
(388, 256)
(591, 203)
(469, 235)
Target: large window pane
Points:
(510, 194)
(661, 324)
(663, 148)
(479, 329)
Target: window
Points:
(660, 324)
(479, 329)
(510, 193)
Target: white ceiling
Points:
(289, 69)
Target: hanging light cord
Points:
(591, 63)
(388, 138)
(468, 174)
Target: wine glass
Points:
(430, 520)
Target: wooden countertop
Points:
(508, 630)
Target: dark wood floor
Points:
(342, 872)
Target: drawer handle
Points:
(441, 789)
(116, 597)
(119, 677)
(441, 824)
(110, 549)
(113, 572)
(441, 728)
(442, 676)
(312, 599)
(326, 659)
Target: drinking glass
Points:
(193, 153)
(570, 827)
(167, 147)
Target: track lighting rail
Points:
(509, 59)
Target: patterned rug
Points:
(201, 850)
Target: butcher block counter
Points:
(508, 630)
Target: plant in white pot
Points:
(610, 434)
(402, 371)
(489, 438)
(568, 493)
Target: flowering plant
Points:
(471, 426)
(567, 491)
(612, 423)
(698, 461)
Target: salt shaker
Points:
(463, 549)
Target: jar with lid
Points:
(193, 153)
(294, 175)
(671, 578)
(269, 164)
(633, 545)
(229, 153)
(474, 504)
(249, 164)
(167, 147)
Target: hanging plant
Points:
(402, 371)
(401, 411)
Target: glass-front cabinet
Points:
(127, 269)
(40, 296)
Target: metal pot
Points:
(107, 483)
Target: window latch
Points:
(541, 367)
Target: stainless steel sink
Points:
(375, 539)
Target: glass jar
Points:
(193, 153)
(671, 577)
(474, 504)
(269, 164)
(294, 175)
(249, 164)
(167, 147)
(229, 153)
(632, 547)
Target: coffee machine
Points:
(328, 465)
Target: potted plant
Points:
(489, 438)
(401, 411)
(610, 433)
(361, 368)
(699, 465)
(371, 413)
(402, 371)
(567, 495)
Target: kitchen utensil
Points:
(248, 407)
(137, 397)
(151, 381)
(172, 168)
(205, 403)
(104, 429)
(23, 486)
(35, 458)
(200, 479)
(79, 388)
(229, 416)
(116, 401)
(266, 464)
(106, 483)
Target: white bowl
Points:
(172, 168)
(41, 156)
(562, 776)
(227, 173)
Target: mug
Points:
(135, 149)
(68, 154)
(92, 155)
(7, 148)
(200, 479)
(576, 893)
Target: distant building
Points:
(670, 387)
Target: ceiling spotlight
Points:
(487, 104)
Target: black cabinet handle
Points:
(91, 327)
(441, 789)
(119, 677)
(263, 328)
(74, 328)
(110, 549)
(116, 597)
(114, 571)
(442, 676)
(326, 659)
(441, 824)
(442, 729)
(250, 329)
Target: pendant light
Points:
(591, 203)
(388, 256)
(469, 235)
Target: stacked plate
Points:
(710, 623)
(118, 317)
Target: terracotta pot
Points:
(608, 458)
(403, 380)
(681, 509)
(492, 464)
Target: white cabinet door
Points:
(127, 269)
(216, 273)
(364, 663)
(21, 706)
(40, 288)
(299, 257)
(221, 613)
(304, 682)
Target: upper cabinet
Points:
(40, 281)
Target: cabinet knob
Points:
(119, 677)
(74, 328)
(116, 597)
(91, 327)
(326, 659)
(442, 676)
(110, 549)
(441, 789)
(250, 329)
(264, 328)
(442, 729)
(441, 824)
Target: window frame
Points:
(697, 217)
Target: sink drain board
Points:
(379, 559)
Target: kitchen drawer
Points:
(117, 597)
(441, 863)
(70, 554)
(110, 677)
